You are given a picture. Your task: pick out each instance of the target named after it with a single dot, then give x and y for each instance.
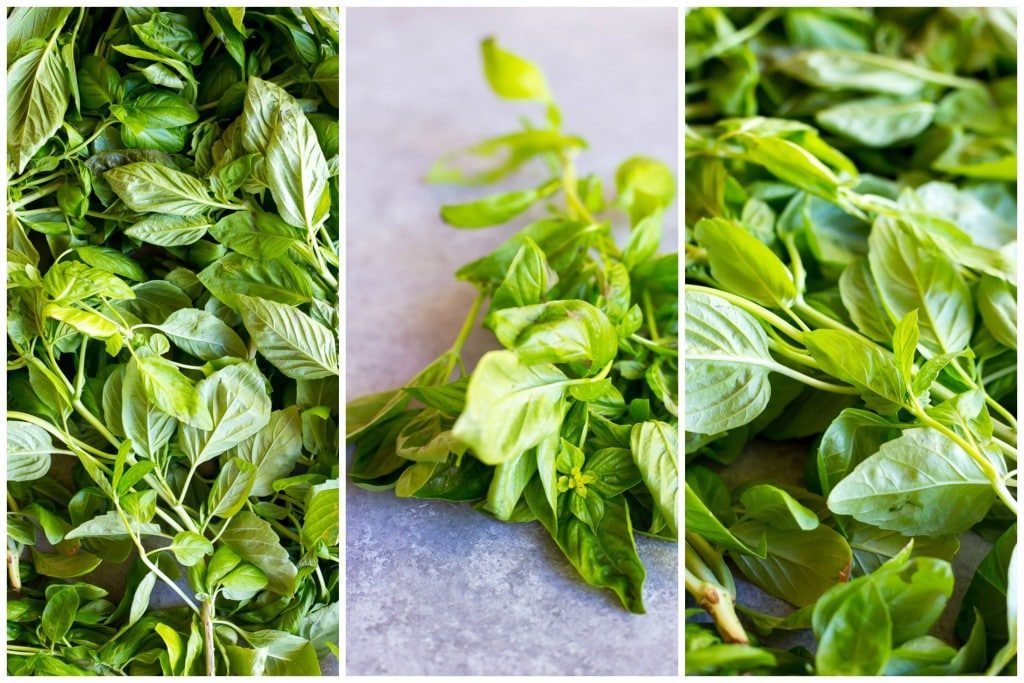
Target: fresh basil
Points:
(849, 290)
(573, 423)
(173, 188)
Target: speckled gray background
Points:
(436, 588)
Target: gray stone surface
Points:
(437, 588)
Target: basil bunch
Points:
(850, 278)
(172, 354)
(573, 422)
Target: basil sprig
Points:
(573, 423)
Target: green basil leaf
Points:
(255, 541)
(274, 450)
(571, 331)
(511, 76)
(169, 231)
(231, 489)
(655, 452)
(495, 209)
(38, 91)
(203, 335)
(291, 341)
(855, 632)
(235, 275)
(148, 187)
(726, 378)
(297, 170)
(28, 451)
(510, 406)
(911, 277)
(238, 404)
(899, 487)
(190, 548)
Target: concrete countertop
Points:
(433, 587)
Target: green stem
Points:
(37, 181)
(657, 348)
(324, 593)
(750, 307)
(331, 249)
(287, 533)
(992, 403)
(1001, 430)
(822, 320)
(321, 265)
(179, 500)
(572, 198)
(208, 642)
(714, 559)
(776, 367)
(980, 460)
(45, 190)
(1002, 658)
(89, 140)
(53, 368)
(799, 322)
(719, 606)
(234, 627)
(696, 566)
(1002, 372)
(80, 375)
(467, 328)
(229, 207)
(96, 424)
(106, 216)
(792, 353)
(797, 263)
(152, 567)
(652, 322)
(58, 434)
(743, 35)
(101, 43)
(1008, 450)
(170, 520)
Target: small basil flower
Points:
(585, 502)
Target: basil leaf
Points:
(37, 98)
(743, 264)
(726, 380)
(511, 76)
(254, 540)
(291, 341)
(510, 406)
(148, 187)
(296, 170)
(898, 487)
(239, 407)
(28, 451)
(557, 332)
(203, 335)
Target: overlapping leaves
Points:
(850, 230)
(172, 354)
(574, 422)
